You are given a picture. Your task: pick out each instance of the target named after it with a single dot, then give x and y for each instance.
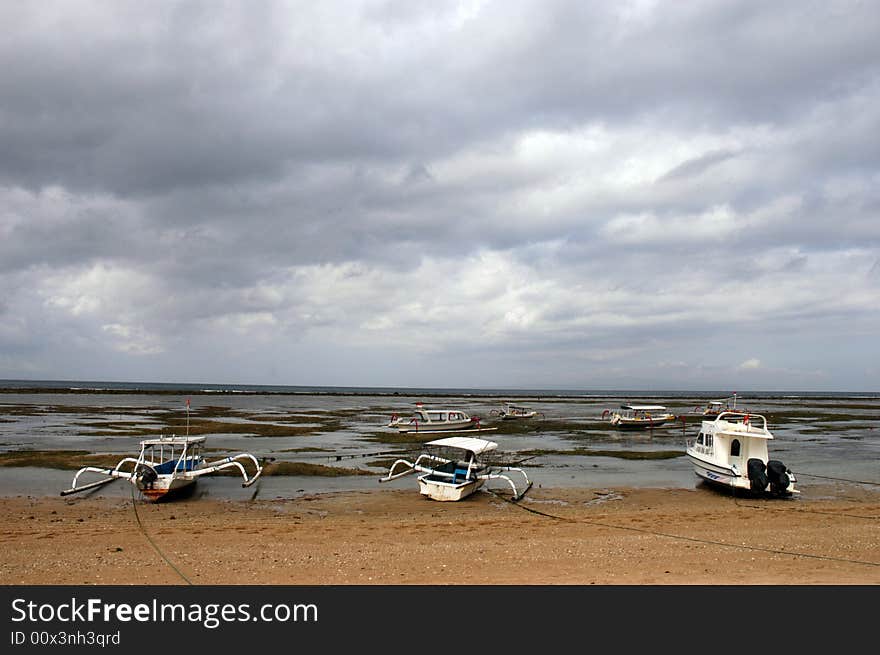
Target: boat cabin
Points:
(641, 411)
(438, 415)
(735, 440)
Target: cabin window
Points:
(709, 440)
(734, 448)
(701, 439)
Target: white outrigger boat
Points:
(714, 407)
(455, 467)
(511, 411)
(731, 451)
(165, 467)
(429, 421)
(639, 416)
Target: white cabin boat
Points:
(455, 467)
(731, 451)
(639, 416)
(434, 420)
(165, 467)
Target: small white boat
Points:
(455, 467)
(511, 411)
(731, 451)
(165, 467)
(428, 421)
(639, 416)
(714, 407)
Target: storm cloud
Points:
(443, 194)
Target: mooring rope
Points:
(710, 542)
(812, 511)
(826, 477)
(153, 543)
(803, 510)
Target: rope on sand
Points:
(710, 542)
(825, 477)
(813, 511)
(153, 543)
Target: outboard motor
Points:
(778, 476)
(146, 475)
(757, 476)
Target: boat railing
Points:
(743, 421)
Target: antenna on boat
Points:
(187, 417)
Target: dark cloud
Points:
(562, 180)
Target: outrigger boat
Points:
(455, 467)
(714, 407)
(639, 416)
(510, 411)
(731, 451)
(425, 421)
(165, 467)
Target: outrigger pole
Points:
(92, 485)
(113, 474)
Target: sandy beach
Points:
(396, 537)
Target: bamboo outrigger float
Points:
(454, 468)
(166, 466)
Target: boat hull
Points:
(723, 477)
(444, 426)
(166, 488)
(639, 424)
(510, 417)
(717, 474)
(447, 491)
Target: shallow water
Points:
(818, 437)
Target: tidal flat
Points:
(340, 441)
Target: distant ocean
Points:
(210, 388)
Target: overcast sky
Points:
(580, 195)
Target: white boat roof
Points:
(644, 407)
(173, 440)
(472, 444)
(737, 429)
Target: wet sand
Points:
(612, 536)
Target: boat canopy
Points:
(645, 408)
(173, 441)
(472, 444)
